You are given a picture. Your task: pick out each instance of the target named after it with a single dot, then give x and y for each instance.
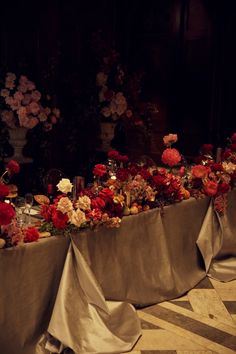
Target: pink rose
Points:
(171, 157)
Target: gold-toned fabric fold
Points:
(152, 257)
(82, 320)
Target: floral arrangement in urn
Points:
(21, 104)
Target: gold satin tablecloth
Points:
(52, 292)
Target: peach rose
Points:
(171, 157)
(200, 171)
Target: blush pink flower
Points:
(171, 157)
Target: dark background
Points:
(186, 48)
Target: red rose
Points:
(206, 148)
(106, 194)
(210, 188)
(4, 190)
(7, 213)
(122, 174)
(171, 157)
(13, 167)
(97, 203)
(99, 170)
(223, 188)
(31, 234)
(59, 219)
(113, 154)
(200, 171)
(233, 138)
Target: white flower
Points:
(65, 186)
(229, 167)
(83, 203)
(65, 205)
(77, 217)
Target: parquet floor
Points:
(201, 322)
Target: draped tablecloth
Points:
(57, 286)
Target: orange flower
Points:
(210, 188)
(171, 157)
(200, 171)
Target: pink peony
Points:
(171, 157)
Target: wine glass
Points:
(29, 200)
(20, 210)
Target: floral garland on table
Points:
(21, 104)
(11, 234)
(122, 188)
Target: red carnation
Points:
(31, 234)
(99, 170)
(113, 154)
(7, 213)
(13, 167)
(122, 174)
(123, 158)
(171, 157)
(4, 190)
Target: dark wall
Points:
(185, 47)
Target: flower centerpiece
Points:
(119, 96)
(23, 107)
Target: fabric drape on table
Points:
(152, 257)
(217, 242)
(30, 275)
(82, 320)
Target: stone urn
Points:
(107, 134)
(18, 141)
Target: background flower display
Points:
(22, 105)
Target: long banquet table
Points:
(48, 286)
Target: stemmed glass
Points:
(29, 200)
(20, 209)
